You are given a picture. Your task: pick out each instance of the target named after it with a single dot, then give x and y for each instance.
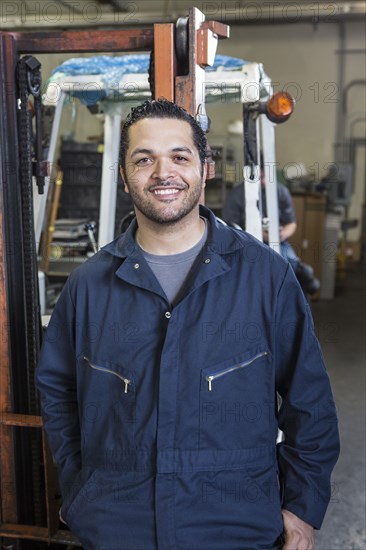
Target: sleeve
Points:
(285, 206)
(56, 382)
(233, 209)
(307, 414)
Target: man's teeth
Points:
(165, 191)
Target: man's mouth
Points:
(169, 191)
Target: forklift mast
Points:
(28, 481)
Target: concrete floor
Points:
(341, 328)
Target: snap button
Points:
(168, 314)
(136, 266)
(207, 260)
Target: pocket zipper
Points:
(212, 377)
(126, 381)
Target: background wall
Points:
(302, 58)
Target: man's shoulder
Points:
(101, 263)
(254, 248)
(283, 191)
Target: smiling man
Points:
(172, 359)
(166, 180)
(165, 177)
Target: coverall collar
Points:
(135, 270)
(219, 241)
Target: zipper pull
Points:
(127, 382)
(209, 380)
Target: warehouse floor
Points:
(340, 326)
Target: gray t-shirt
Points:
(171, 271)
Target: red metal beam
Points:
(84, 41)
(31, 532)
(164, 61)
(23, 420)
(8, 508)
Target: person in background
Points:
(172, 358)
(233, 212)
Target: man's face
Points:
(163, 170)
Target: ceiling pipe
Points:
(57, 15)
(115, 4)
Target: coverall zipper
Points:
(126, 381)
(212, 377)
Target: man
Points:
(160, 368)
(233, 212)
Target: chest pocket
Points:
(115, 371)
(237, 401)
(109, 408)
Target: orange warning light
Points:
(280, 107)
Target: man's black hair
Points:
(161, 108)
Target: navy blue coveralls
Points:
(163, 421)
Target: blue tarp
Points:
(112, 69)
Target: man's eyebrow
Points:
(143, 150)
(182, 150)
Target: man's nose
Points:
(163, 169)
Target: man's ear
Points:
(204, 173)
(123, 179)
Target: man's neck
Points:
(169, 239)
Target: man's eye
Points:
(179, 158)
(142, 161)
